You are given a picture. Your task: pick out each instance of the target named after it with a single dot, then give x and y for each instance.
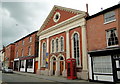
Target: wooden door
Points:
(61, 67)
(36, 66)
(54, 67)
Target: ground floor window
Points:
(102, 64)
(29, 63)
(22, 64)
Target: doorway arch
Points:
(61, 63)
(53, 65)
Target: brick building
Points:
(26, 53)
(103, 40)
(63, 36)
(9, 55)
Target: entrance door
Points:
(36, 66)
(54, 67)
(61, 67)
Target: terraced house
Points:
(63, 36)
(103, 39)
(26, 53)
(9, 55)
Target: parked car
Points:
(7, 70)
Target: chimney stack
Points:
(87, 9)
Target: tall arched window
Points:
(61, 44)
(56, 45)
(44, 54)
(53, 46)
(76, 48)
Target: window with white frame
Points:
(44, 54)
(110, 16)
(22, 52)
(30, 39)
(112, 37)
(61, 44)
(53, 44)
(76, 48)
(23, 42)
(57, 45)
(29, 50)
(102, 64)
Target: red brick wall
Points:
(25, 46)
(119, 25)
(64, 15)
(9, 53)
(96, 32)
(57, 53)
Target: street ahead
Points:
(8, 78)
(14, 78)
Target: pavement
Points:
(51, 78)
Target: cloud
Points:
(21, 18)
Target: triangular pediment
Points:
(57, 15)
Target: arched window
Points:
(53, 46)
(61, 44)
(44, 54)
(56, 45)
(76, 48)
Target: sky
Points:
(18, 18)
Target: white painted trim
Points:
(103, 78)
(66, 22)
(56, 44)
(90, 67)
(39, 54)
(47, 45)
(42, 62)
(84, 49)
(67, 45)
(52, 45)
(17, 59)
(79, 47)
(60, 43)
(63, 29)
(54, 17)
(60, 55)
(51, 63)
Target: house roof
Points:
(26, 36)
(61, 8)
(104, 11)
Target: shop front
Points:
(27, 64)
(104, 65)
(16, 64)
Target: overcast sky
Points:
(21, 17)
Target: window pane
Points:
(112, 37)
(109, 16)
(102, 64)
(52, 45)
(76, 48)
